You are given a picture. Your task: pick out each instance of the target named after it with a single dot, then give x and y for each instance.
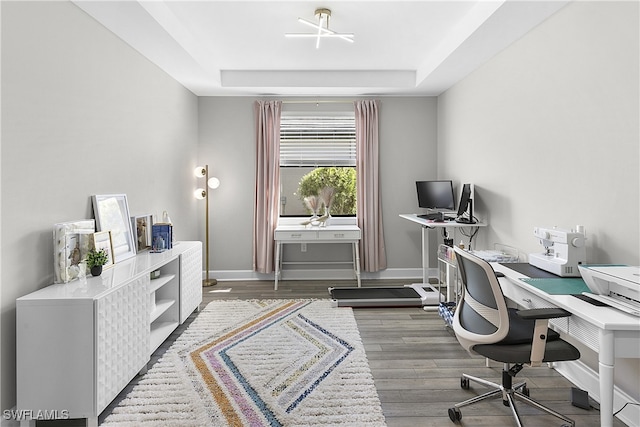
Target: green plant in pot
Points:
(95, 260)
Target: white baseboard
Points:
(587, 379)
(238, 275)
(409, 274)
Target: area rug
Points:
(259, 363)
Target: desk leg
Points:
(356, 261)
(606, 360)
(278, 265)
(425, 255)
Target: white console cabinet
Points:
(80, 343)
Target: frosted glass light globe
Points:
(214, 182)
(200, 193)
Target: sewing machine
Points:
(614, 285)
(564, 251)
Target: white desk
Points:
(329, 234)
(431, 225)
(609, 332)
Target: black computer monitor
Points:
(466, 203)
(436, 195)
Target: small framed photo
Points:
(142, 228)
(71, 243)
(112, 214)
(102, 240)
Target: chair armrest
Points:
(541, 317)
(543, 313)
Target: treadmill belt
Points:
(376, 297)
(374, 293)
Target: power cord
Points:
(446, 239)
(597, 408)
(470, 235)
(624, 406)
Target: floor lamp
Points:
(200, 193)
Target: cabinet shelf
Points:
(161, 307)
(160, 282)
(448, 273)
(160, 331)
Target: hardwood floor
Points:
(416, 363)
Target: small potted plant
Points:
(95, 260)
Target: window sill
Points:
(335, 220)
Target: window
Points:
(317, 151)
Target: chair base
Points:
(508, 391)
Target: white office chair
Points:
(484, 325)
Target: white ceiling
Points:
(216, 47)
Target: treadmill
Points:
(414, 295)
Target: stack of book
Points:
(161, 237)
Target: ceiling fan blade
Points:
(321, 31)
(309, 23)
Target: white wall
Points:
(548, 131)
(227, 143)
(408, 153)
(82, 114)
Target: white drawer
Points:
(526, 299)
(339, 234)
(302, 235)
(521, 297)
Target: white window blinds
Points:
(312, 140)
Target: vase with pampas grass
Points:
(326, 195)
(313, 204)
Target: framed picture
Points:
(112, 214)
(102, 240)
(142, 231)
(71, 242)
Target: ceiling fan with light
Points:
(322, 28)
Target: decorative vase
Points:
(313, 219)
(326, 216)
(96, 270)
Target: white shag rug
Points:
(259, 363)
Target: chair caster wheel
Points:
(455, 415)
(464, 383)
